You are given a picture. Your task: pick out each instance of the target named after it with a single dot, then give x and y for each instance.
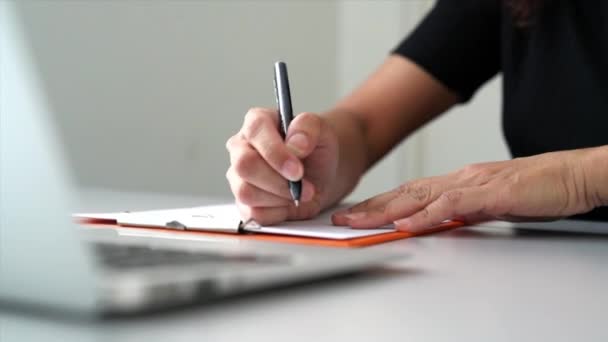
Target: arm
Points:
(330, 152)
(451, 53)
(391, 104)
(333, 150)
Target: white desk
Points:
(482, 284)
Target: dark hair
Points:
(523, 11)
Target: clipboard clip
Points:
(175, 225)
(249, 224)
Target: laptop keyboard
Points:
(131, 256)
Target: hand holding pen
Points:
(269, 157)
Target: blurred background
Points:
(147, 92)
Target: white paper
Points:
(98, 216)
(226, 218)
(319, 227)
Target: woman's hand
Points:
(542, 187)
(261, 163)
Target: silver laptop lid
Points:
(41, 259)
(570, 226)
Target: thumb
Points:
(303, 134)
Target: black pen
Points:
(283, 96)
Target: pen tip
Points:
(297, 203)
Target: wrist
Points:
(595, 166)
(352, 152)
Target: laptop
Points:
(563, 226)
(46, 261)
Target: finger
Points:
(304, 212)
(268, 195)
(274, 215)
(398, 203)
(262, 133)
(263, 216)
(303, 134)
(247, 164)
(459, 203)
(251, 195)
(376, 203)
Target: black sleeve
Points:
(458, 43)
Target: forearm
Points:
(595, 166)
(392, 103)
(353, 154)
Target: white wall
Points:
(147, 92)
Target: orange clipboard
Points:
(344, 243)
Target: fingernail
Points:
(298, 143)
(291, 170)
(403, 224)
(355, 216)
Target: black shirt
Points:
(555, 68)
